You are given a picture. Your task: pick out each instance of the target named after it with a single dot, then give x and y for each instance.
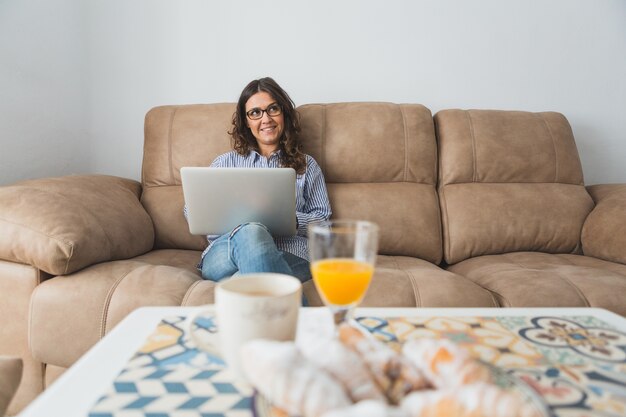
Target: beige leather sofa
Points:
(476, 208)
(10, 377)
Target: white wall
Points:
(43, 130)
(131, 55)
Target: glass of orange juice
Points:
(342, 254)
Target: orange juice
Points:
(342, 281)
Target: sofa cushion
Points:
(604, 232)
(10, 377)
(380, 162)
(183, 259)
(406, 213)
(69, 314)
(509, 181)
(61, 225)
(500, 218)
(171, 230)
(186, 135)
(178, 136)
(532, 279)
(401, 281)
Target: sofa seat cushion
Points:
(401, 281)
(201, 291)
(184, 259)
(70, 313)
(534, 279)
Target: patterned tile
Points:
(577, 364)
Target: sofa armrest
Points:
(604, 231)
(60, 225)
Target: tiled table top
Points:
(576, 362)
(575, 358)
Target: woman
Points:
(265, 127)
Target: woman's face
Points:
(268, 129)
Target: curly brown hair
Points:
(243, 141)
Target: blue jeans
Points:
(250, 248)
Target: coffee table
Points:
(561, 335)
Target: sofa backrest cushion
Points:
(509, 181)
(379, 162)
(178, 136)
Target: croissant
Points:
(474, 400)
(393, 373)
(289, 381)
(444, 363)
(368, 408)
(345, 366)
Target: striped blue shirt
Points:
(311, 197)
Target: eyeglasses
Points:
(271, 110)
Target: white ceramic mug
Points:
(253, 306)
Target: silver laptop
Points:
(219, 199)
